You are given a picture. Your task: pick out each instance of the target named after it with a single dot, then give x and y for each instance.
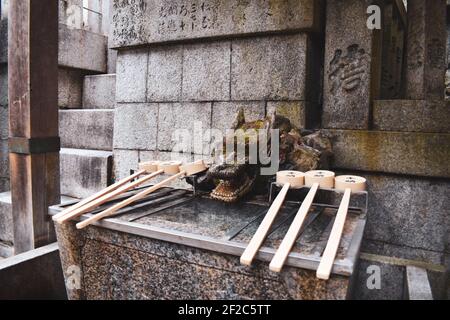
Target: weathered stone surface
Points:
(426, 50)
(71, 13)
(391, 277)
(421, 154)
(4, 184)
(181, 126)
(417, 283)
(412, 115)
(86, 129)
(206, 71)
(152, 21)
(224, 113)
(6, 221)
(271, 68)
(82, 49)
(293, 110)
(109, 255)
(3, 85)
(165, 67)
(70, 88)
(4, 123)
(136, 126)
(99, 92)
(394, 29)
(124, 161)
(351, 74)
(4, 159)
(4, 41)
(407, 211)
(131, 76)
(84, 172)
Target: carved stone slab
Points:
(426, 50)
(151, 21)
(351, 75)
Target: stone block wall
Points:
(204, 60)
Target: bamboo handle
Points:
(327, 261)
(291, 236)
(128, 201)
(93, 204)
(98, 195)
(261, 233)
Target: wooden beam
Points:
(33, 109)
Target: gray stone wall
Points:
(203, 83)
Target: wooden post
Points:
(33, 106)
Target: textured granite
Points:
(120, 266)
(206, 71)
(426, 50)
(3, 85)
(392, 152)
(293, 110)
(351, 66)
(131, 76)
(99, 91)
(412, 115)
(70, 88)
(152, 21)
(124, 161)
(135, 126)
(269, 68)
(165, 67)
(224, 113)
(181, 126)
(4, 41)
(86, 129)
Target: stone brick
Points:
(81, 49)
(391, 277)
(4, 159)
(84, 172)
(86, 129)
(224, 113)
(4, 184)
(206, 71)
(4, 123)
(421, 154)
(294, 111)
(426, 50)
(131, 76)
(99, 92)
(409, 212)
(70, 88)
(124, 161)
(178, 120)
(271, 68)
(165, 66)
(6, 219)
(136, 126)
(417, 283)
(3, 85)
(150, 21)
(4, 41)
(412, 115)
(71, 13)
(352, 68)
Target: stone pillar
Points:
(352, 65)
(426, 49)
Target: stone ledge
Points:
(411, 115)
(82, 49)
(154, 21)
(409, 153)
(86, 129)
(84, 172)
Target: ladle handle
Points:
(327, 261)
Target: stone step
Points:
(99, 91)
(6, 223)
(86, 129)
(84, 172)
